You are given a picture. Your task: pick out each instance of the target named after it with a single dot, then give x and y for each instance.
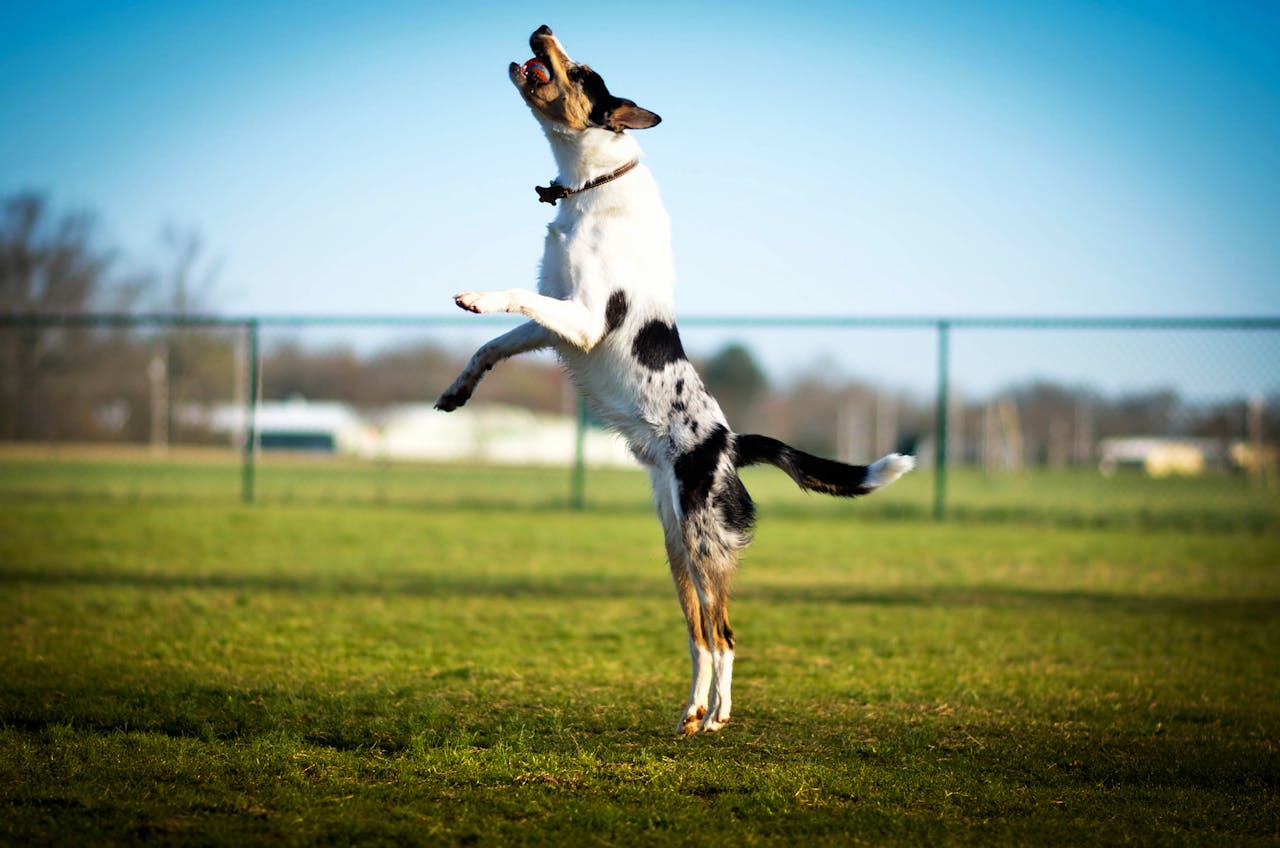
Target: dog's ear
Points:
(628, 116)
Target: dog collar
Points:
(555, 191)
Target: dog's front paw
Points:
(482, 302)
(454, 397)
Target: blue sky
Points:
(877, 158)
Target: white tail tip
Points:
(885, 470)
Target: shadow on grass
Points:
(587, 586)
(1209, 752)
(463, 708)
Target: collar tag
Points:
(555, 191)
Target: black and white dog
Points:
(605, 304)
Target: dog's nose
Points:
(543, 30)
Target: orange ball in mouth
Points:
(537, 70)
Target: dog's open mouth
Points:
(536, 70)
(547, 56)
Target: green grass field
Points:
(382, 655)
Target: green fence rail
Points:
(943, 327)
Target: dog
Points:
(605, 305)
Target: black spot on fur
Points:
(606, 108)
(696, 468)
(602, 102)
(736, 508)
(678, 406)
(615, 312)
(727, 632)
(657, 345)
(680, 386)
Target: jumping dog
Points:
(605, 305)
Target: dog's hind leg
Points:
(716, 515)
(711, 555)
(713, 593)
(700, 659)
(704, 596)
(528, 336)
(716, 529)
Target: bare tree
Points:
(191, 365)
(49, 265)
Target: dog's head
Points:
(569, 96)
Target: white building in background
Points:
(502, 435)
(298, 424)
(1159, 456)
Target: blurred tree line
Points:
(132, 383)
(63, 383)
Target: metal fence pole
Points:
(940, 458)
(251, 413)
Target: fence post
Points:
(940, 458)
(251, 413)
(577, 481)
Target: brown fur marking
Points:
(560, 98)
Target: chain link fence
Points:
(1086, 420)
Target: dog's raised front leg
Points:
(567, 319)
(528, 336)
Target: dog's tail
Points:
(815, 474)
